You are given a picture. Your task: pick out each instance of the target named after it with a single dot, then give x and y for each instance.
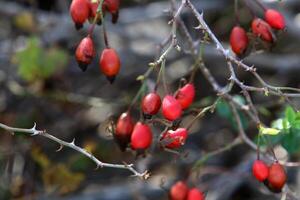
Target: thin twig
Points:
(33, 132)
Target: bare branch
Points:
(33, 131)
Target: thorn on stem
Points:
(36, 133)
(171, 21)
(198, 27)
(145, 175)
(97, 167)
(231, 78)
(178, 48)
(34, 127)
(60, 148)
(73, 142)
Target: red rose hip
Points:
(141, 137)
(178, 191)
(171, 108)
(277, 176)
(238, 40)
(112, 6)
(110, 63)
(262, 29)
(124, 130)
(79, 11)
(195, 194)
(151, 104)
(93, 7)
(185, 95)
(85, 53)
(175, 138)
(275, 19)
(260, 170)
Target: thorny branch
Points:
(34, 132)
(223, 91)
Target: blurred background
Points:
(41, 82)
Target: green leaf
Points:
(29, 59)
(36, 63)
(223, 110)
(286, 124)
(268, 131)
(277, 124)
(290, 114)
(54, 60)
(289, 126)
(291, 141)
(239, 99)
(297, 116)
(296, 124)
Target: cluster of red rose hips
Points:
(260, 28)
(274, 176)
(83, 10)
(139, 136)
(180, 191)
